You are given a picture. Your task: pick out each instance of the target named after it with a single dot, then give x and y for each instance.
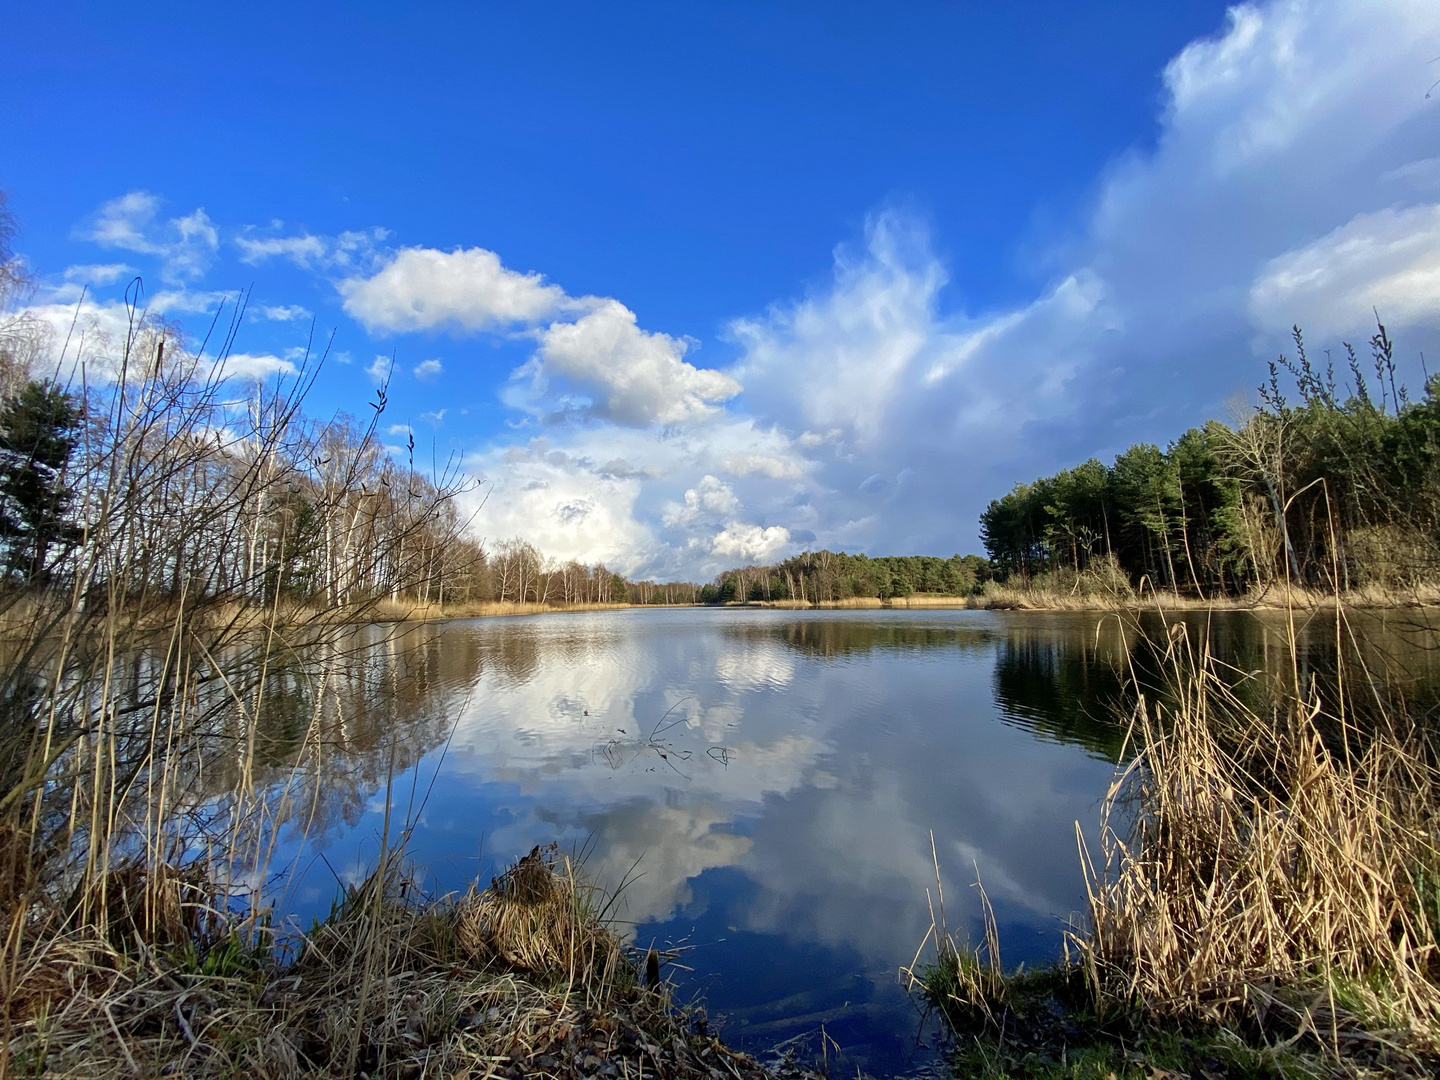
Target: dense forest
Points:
(1323, 485)
(827, 576)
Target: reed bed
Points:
(1267, 889)
(1275, 868)
(423, 612)
(519, 979)
(1043, 596)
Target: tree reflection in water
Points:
(770, 777)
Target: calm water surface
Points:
(766, 782)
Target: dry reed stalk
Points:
(475, 986)
(1274, 865)
(423, 612)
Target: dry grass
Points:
(1041, 597)
(1268, 881)
(520, 979)
(868, 603)
(1276, 866)
(930, 600)
(418, 612)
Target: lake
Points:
(764, 784)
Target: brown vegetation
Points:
(1278, 867)
(1267, 880)
(520, 979)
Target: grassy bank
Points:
(1047, 597)
(1264, 902)
(408, 611)
(520, 979)
(994, 597)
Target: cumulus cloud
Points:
(709, 498)
(1291, 181)
(83, 333)
(185, 245)
(1386, 262)
(750, 543)
(624, 374)
(428, 370)
(648, 502)
(767, 465)
(862, 337)
(462, 291)
(564, 508)
(593, 360)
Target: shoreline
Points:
(1273, 601)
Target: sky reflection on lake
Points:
(765, 781)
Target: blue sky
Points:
(694, 284)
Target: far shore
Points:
(996, 598)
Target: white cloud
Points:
(767, 465)
(593, 359)
(80, 332)
(92, 334)
(853, 346)
(353, 251)
(398, 429)
(462, 291)
(437, 417)
(647, 501)
(97, 273)
(185, 245)
(379, 369)
(190, 302)
(304, 250)
(625, 375)
(1387, 261)
(429, 370)
(254, 366)
(751, 543)
(284, 313)
(711, 498)
(560, 506)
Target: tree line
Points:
(1326, 483)
(829, 576)
(518, 572)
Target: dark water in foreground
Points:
(765, 782)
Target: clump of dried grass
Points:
(519, 979)
(1277, 868)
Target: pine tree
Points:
(39, 429)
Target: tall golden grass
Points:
(1043, 596)
(1274, 867)
(416, 611)
(1265, 870)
